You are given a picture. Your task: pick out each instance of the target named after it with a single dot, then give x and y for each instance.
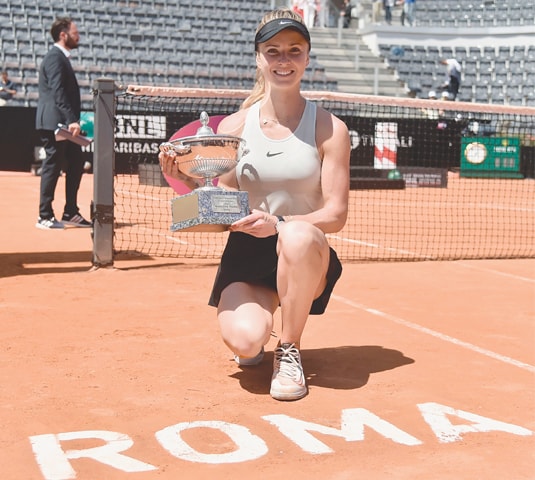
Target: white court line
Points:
(152, 231)
(207, 250)
(496, 272)
(462, 205)
(433, 333)
(379, 247)
(128, 193)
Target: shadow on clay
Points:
(339, 368)
(36, 263)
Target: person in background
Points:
(309, 13)
(432, 113)
(407, 14)
(296, 172)
(59, 103)
(7, 88)
(376, 11)
(388, 6)
(346, 13)
(298, 7)
(323, 13)
(453, 77)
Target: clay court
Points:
(418, 370)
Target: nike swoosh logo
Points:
(269, 154)
(284, 23)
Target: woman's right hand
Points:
(169, 166)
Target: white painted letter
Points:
(352, 429)
(54, 462)
(435, 415)
(250, 447)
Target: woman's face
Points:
(283, 58)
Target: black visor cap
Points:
(270, 29)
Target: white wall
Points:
(374, 35)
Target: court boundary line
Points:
(378, 246)
(495, 272)
(434, 333)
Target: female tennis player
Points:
(296, 172)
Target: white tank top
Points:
(282, 177)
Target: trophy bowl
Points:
(207, 156)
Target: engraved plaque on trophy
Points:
(207, 155)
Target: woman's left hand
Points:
(257, 223)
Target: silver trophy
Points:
(207, 156)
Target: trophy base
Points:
(208, 210)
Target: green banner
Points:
(490, 157)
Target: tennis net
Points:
(430, 180)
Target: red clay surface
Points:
(417, 371)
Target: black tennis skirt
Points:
(254, 260)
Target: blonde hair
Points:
(259, 89)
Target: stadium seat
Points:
(519, 52)
(504, 52)
(485, 78)
(481, 94)
(515, 97)
(497, 94)
(460, 54)
(447, 52)
(529, 68)
(501, 78)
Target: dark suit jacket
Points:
(59, 93)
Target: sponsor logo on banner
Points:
(139, 134)
(140, 126)
(386, 140)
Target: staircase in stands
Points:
(340, 62)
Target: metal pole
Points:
(103, 173)
(376, 81)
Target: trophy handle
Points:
(179, 149)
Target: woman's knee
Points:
(245, 317)
(298, 239)
(245, 336)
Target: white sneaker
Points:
(249, 362)
(288, 381)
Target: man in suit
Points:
(59, 102)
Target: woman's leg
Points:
(245, 314)
(245, 311)
(301, 275)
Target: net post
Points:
(103, 173)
